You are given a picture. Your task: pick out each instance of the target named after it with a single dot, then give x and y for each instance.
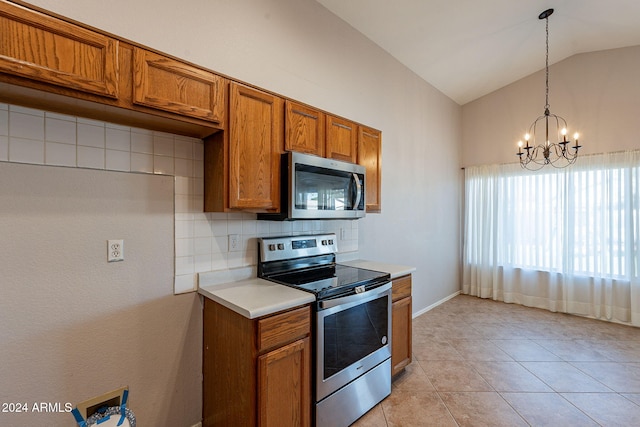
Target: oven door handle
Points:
(330, 303)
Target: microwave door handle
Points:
(356, 179)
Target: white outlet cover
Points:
(115, 250)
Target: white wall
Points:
(597, 93)
(75, 326)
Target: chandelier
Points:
(558, 154)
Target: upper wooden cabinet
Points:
(255, 145)
(90, 74)
(170, 85)
(369, 156)
(242, 164)
(304, 129)
(342, 136)
(47, 49)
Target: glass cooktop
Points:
(330, 281)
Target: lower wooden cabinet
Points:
(401, 319)
(256, 372)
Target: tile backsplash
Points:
(201, 239)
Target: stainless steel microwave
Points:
(317, 188)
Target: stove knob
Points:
(324, 243)
(331, 241)
(272, 247)
(280, 246)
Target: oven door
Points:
(353, 336)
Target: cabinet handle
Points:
(302, 113)
(340, 125)
(370, 134)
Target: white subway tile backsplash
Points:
(202, 246)
(163, 165)
(25, 110)
(142, 163)
(162, 145)
(118, 139)
(141, 141)
(183, 149)
(57, 154)
(91, 157)
(198, 151)
(4, 122)
(184, 283)
(26, 126)
(183, 167)
(118, 160)
(62, 131)
(90, 135)
(58, 116)
(201, 239)
(4, 148)
(184, 247)
(26, 151)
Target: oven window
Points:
(354, 333)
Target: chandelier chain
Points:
(546, 107)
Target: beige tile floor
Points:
(479, 362)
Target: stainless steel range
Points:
(352, 323)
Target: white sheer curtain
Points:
(565, 240)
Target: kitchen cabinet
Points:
(168, 84)
(341, 139)
(256, 372)
(369, 156)
(49, 63)
(304, 129)
(39, 47)
(242, 164)
(401, 346)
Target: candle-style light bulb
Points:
(575, 136)
(520, 147)
(564, 134)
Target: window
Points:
(582, 220)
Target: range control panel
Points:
(290, 247)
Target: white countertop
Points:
(394, 270)
(256, 297)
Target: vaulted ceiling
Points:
(469, 48)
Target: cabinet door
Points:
(284, 386)
(49, 50)
(304, 130)
(369, 156)
(401, 333)
(255, 145)
(342, 136)
(170, 85)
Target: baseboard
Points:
(434, 305)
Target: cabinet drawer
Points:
(49, 50)
(176, 87)
(283, 328)
(401, 287)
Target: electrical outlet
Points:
(115, 250)
(234, 242)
